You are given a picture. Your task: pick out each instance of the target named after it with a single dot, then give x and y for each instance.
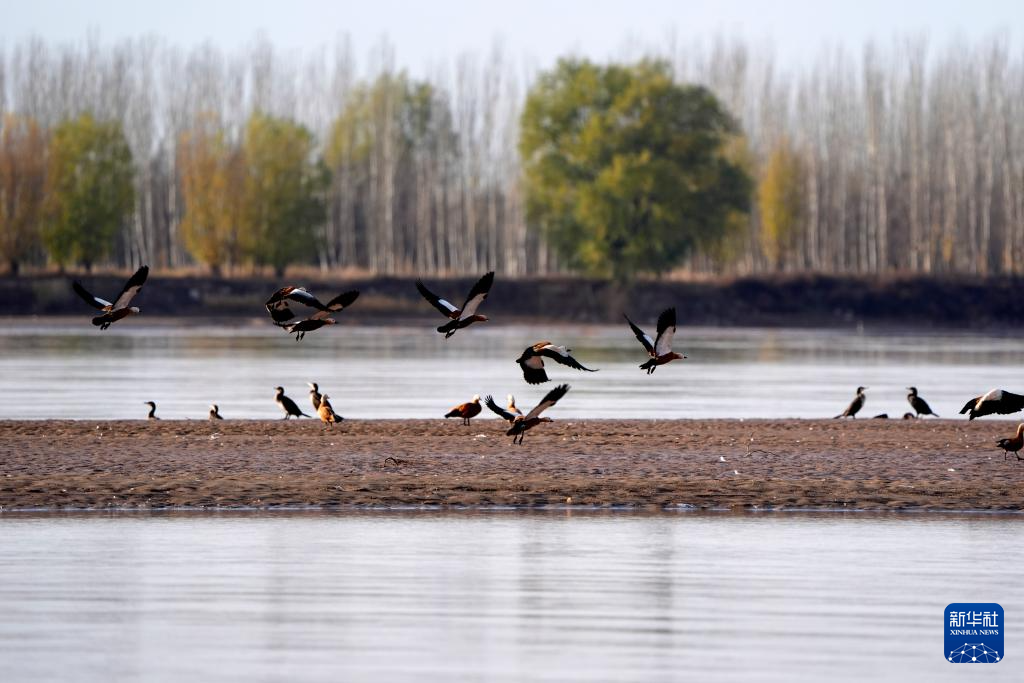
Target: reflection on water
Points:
(388, 372)
(497, 596)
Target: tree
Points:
(624, 168)
(22, 179)
(212, 175)
(89, 189)
(780, 199)
(284, 192)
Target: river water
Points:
(499, 596)
(76, 371)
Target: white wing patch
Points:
(535, 363)
(665, 342)
(560, 350)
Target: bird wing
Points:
(641, 336)
(303, 297)
(549, 400)
(970, 404)
(501, 412)
(94, 301)
(666, 331)
(131, 288)
(477, 295)
(338, 303)
(533, 370)
(446, 307)
(559, 355)
(1010, 403)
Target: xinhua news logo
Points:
(974, 633)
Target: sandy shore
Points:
(789, 464)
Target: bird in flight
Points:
(995, 401)
(520, 424)
(460, 317)
(112, 312)
(532, 361)
(660, 348)
(281, 312)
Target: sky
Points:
(427, 32)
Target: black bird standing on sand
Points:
(995, 401)
(314, 395)
(459, 317)
(855, 405)
(152, 411)
(215, 412)
(1013, 444)
(112, 312)
(287, 405)
(919, 405)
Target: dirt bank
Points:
(863, 464)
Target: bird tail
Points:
(838, 416)
(648, 365)
(453, 413)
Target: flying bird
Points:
(287, 405)
(1013, 444)
(532, 361)
(855, 405)
(511, 413)
(281, 312)
(995, 401)
(520, 424)
(112, 312)
(660, 348)
(215, 412)
(314, 395)
(466, 411)
(152, 410)
(326, 411)
(460, 317)
(919, 405)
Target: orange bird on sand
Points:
(1013, 444)
(466, 411)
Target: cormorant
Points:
(152, 410)
(855, 405)
(314, 395)
(287, 405)
(215, 412)
(919, 405)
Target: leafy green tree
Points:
(284, 192)
(89, 189)
(780, 200)
(212, 173)
(624, 168)
(22, 179)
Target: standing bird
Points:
(1013, 444)
(112, 312)
(280, 311)
(314, 395)
(460, 317)
(215, 412)
(287, 405)
(995, 401)
(466, 411)
(532, 361)
(659, 349)
(523, 423)
(855, 405)
(152, 410)
(326, 412)
(919, 405)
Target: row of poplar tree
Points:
(906, 158)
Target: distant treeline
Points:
(903, 159)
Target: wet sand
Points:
(778, 464)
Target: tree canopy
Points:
(22, 178)
(284, 191)
(89, 189)
(624, 168)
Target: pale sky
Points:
(426, 32)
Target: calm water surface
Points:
(79, 372)
(499, 596)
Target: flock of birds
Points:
(531, 361)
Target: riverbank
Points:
(731, 464)
(797, 300)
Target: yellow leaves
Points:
(22, 182)
(779, 199)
